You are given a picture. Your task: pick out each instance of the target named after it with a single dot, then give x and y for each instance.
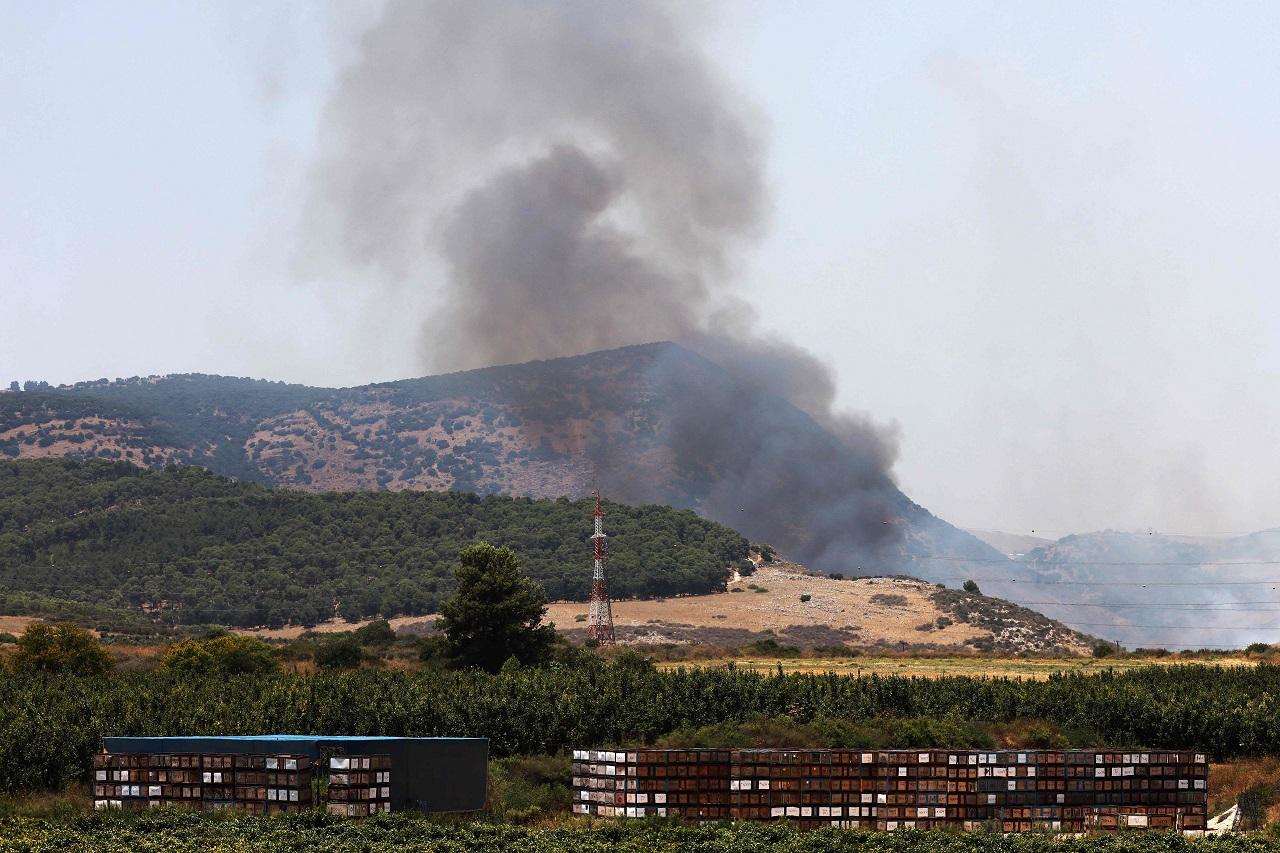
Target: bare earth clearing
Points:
(863, 612)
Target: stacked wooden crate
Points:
(690, 783)
(1003, 790)
(359, 785)
(217, 778)
(272, 783)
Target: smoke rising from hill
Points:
(571, 176)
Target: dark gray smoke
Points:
(574, 176)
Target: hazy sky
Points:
(1041, 238)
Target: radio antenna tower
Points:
(600, 627)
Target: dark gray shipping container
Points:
(427, 773)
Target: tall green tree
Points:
(60, 648)
(496, 613)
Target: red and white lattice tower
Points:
(600, 626)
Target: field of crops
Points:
(50, 725)
(178, 833)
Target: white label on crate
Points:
(339, 778)
(922, 811)
(793, 811)
(1100, 772)
(1022, 758)
(579, 755)
(293, 796)
(1117, 771)
(1182, 784)
(951, 759)
(642, 798)
(339, 763)
(1031, 771)
(273, 763)
(579, 808)
(1128, 771)
(271, 793)
(924, 758)
(939, 812)
(882, 799)
(1135, 820)
(153, 791)
(982, 758)
(1013, 785)
(999, 771)
(991, 799)
(1062, 798)
(764, 784)
(631, 758)
(1199, 758)
(868, 758)
(891, 825)
(660, 798)
(1146, 758)
(100, 776)
(902, 771)
(806, 811)
(1097, 759)
(733, 784)
(866, 798)
(1199, 783)
(777, 811)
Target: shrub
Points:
(1102, 650)
(6, 637)
(60, 648)
(943, 622)
(341, 652)
(889, 600)
(377, 633)
(223, 655)
(972, 586)
(1258, 648)
(806, 597)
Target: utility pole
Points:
(600, 627)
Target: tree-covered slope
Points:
(194, 547)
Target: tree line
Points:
(190, 547)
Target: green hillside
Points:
(192, 547)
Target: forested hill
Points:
(193, 547)
(655, 423)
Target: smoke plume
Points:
(572, 176)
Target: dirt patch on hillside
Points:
(876, 610)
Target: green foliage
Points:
(496, 612)
(746, 568)
(529, 786)
(181, 832)
(804, 596)
(341, 652)
(102, 538)
(1254, 802)
(1102, 650)
(58, 649)
(221, 656)
(1258, 648)
(6, 637)
(377, 633)
(50, 724)
(971, 586)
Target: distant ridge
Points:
(542, 429)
